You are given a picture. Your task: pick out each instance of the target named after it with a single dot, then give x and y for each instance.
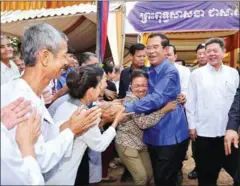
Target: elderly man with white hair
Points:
(44, 50)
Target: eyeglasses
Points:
(155, 47)
(139, 86)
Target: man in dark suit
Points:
(232, 131)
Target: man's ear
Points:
(175, 57)
(130, 87)
(131, 57)
(165, 50)
(44, 56)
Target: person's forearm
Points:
(147, 104)
(27, 150)
(147, 121)
(60, 92)
(64, 126)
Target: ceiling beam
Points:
(75, 25)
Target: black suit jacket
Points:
(234, 112)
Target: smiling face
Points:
(155, 51)
(139, 86)
(6, 49)
(214, 54)
(55, 63)
(72, 60)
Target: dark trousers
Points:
(194, 151)
(237, 176)
(82, 177)
(210, 158)
(166, 161)
(107, 156)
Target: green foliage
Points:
(15, 41)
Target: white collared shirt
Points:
(66, 173)
(184, 74)
(51, 146)
(7, 74)
(16, 170)
(210, 95)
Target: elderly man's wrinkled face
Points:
(6, 49)
(56, 62)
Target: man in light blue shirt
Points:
(168, 140)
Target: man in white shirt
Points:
(184, 74)
(9, 69)
(44, 49)
(210, 95)
(201, 61)
(19, 165)
(183, 71)
(20, 64)
(201, 57)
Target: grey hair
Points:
(217, 41)
(40, 36)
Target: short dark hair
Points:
(84, 57)
(165, 40)
(107, 67)
(174, 48)
(200, 46)
(98, 69)
(117, 70)
(217, 41)
(70, 50)
(138, 73)
(80, 80)
(181, 60)
(135, 47)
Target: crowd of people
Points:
(65, 117)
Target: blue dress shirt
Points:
(62, 79)
(164, 86)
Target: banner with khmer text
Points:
(184, 16)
